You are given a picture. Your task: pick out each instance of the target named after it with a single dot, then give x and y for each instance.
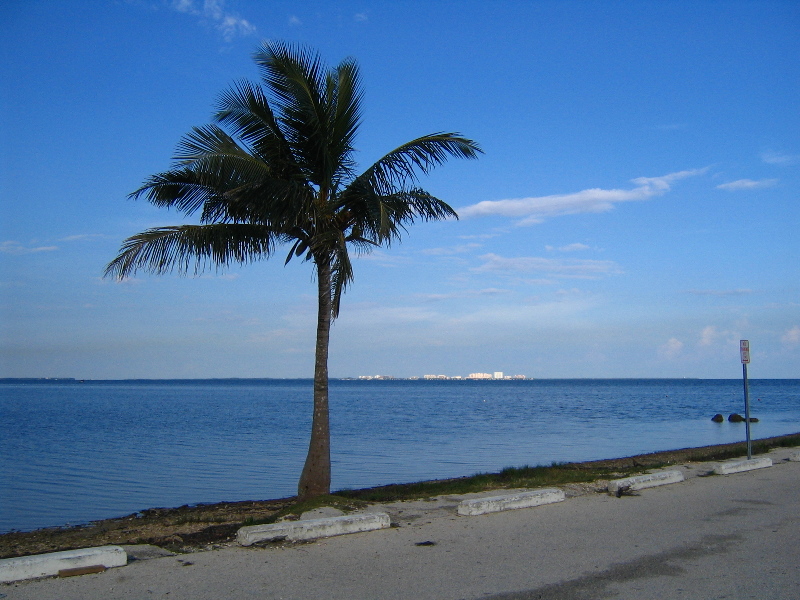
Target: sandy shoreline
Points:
(731, 536)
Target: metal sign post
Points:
(744, 351)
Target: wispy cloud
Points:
(11, 247)
(595, 200)
(451, 250)
(792, 336)
(370, 314)
(361, 17)
(738, 292)
(223, 276)
(568, 248)
(708, 336)
(85, 237)
(671, 349)
(777, 158)
(383, 258)
(747, 184)
(553, 267)
(463, 294)
(293, 20)
(481, 236)
(228, 23)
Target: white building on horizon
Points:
(480, 376)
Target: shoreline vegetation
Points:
(205, 526)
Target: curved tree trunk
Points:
(316, 477)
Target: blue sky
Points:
(635, 213)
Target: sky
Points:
(635, 213)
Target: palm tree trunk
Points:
(315, 479)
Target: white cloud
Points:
(536, 209)
(747, 184)
(184, 6)
(382, 258)
(708, 336)
(228, 23)
(792, 336)
(739, 292)
(460, 249)
(671, 349)
(521, 316)
(776, 158)
(85, 237)
(568, 248)
(539, 281)
(361, 17)
(554, 267)
(479, 236)
(464, 294)
(223, 276)
(720, 340)
(293, 20)
(11, 247)
(372, 314)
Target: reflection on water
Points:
(76, 452)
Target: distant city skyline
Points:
(635, 212)
(495, 375)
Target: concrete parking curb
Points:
(46, 565)
(737, 466)
(795, 456)
(640, 482)
(312, 528)
(481, 506)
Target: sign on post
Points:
(744, 350)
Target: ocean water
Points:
(74, 452)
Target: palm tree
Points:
(284, 174)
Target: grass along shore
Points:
(192, 528)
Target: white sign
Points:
(744, 350)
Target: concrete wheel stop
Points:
(640, 482)
(737, 466)
(482, 506)
(312, 528)
(70, 562)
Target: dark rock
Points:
(753, 420)
(736, 418)
(718, 418)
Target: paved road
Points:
(732, 537)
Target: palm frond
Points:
(398, 167)
(245, 109)
(382, 215)
(210, 149)
(183, 189)
(280, 204)
(319, 109)
(345, 118)
(166, 249)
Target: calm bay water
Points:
(74, 452)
